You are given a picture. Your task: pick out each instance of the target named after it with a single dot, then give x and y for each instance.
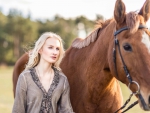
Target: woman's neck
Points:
(44, 68)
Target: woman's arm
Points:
(20, 98)
(64, 105)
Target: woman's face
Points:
(50, 50)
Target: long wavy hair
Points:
(34, 56)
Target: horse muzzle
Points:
(143, 105)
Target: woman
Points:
(42, 87)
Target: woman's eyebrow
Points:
(53, 46)
(49, 45)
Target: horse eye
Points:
(127, 47)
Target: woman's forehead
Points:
(52, 41)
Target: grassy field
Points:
(6, 95)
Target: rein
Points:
(116, 42)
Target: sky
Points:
(47, 9)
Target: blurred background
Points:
(23, 21)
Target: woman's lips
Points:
(53, 57)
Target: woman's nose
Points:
(55, 51)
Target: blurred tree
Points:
(65, 28)
(88, 24)
(99, 17)
(4, 42)
(21, 30)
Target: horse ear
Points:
(145, 10)
(119, 12)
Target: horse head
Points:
(131, 61)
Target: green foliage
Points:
(18, 33)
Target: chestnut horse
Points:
(94, 65)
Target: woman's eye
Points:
(57, 48)
(127, 47)
(50, 47)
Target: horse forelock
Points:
(80, 43)
(132, 21)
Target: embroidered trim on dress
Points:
(47, 96)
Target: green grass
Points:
(6, 93)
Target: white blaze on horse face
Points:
(146, 41)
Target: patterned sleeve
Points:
(20, 97)
(64, 105)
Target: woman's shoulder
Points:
(59, 73)
(62, 74)
(26, 73)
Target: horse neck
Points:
(98, 72)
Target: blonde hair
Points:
(34, 55)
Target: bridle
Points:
(116, 43)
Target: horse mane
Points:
(80, 43)
(132, 21)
